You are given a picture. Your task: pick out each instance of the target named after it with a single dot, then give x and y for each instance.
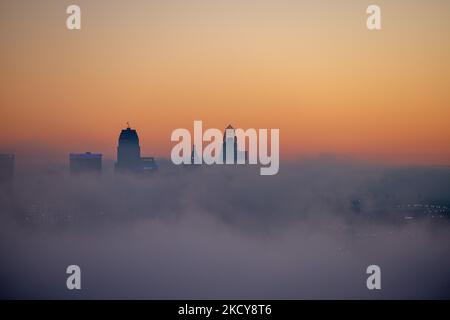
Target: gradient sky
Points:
(309, 68)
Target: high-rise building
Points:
(129, 154)
(6, 168)
(85, 162)
(128, 151)
(230, 144)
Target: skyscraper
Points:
(230, 149)
(128, 151)
(129, 154)
(6, 168)
(229, 146)
(85, 162)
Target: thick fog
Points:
(227, 232)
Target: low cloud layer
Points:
(218, 232)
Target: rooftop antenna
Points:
(128, 125)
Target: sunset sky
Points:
(310, 68)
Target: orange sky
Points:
(309, 68)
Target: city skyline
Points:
(109, 151)
(313, 70)
(209, 150)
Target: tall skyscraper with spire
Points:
(128, 151)
(230, 148)
(129, 154)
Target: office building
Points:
(6, 168)
(230, 149)
(149, 165)
(128, 151)
(129, 154)
(85, 162)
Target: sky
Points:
(309, 68)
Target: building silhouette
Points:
(231, 144)
(149, 165)
(128, 151)
(194, 156)
(7, 162)
(129, 154)
(85, 162)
